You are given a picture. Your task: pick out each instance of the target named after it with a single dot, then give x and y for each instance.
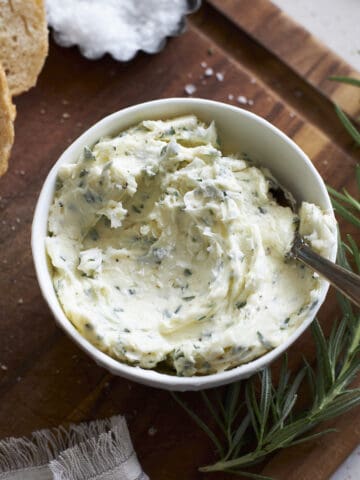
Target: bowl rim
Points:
(135, 373)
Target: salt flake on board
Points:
(242, 100)
(190, 88)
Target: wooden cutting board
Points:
(45, 380)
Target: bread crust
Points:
(7, 117)
(23, 42)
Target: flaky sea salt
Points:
(190, 88)
(242, 100)
(219, 76)
(230, 96)
(209, 72)
(203, 64)
(118, 27)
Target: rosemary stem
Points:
(244, 461)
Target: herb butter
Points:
(168, 254)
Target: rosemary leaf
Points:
(212, 410)
(344, 197)
(231, 401)
(325, 370)
(311, 379)
(355, 251)
(352, 200)
(349, 80)
(338, 342)
(348, 124)
(252, 406)
(265, 399)
(239, 434)
(284, 377)
(345, 213)
(201, 424)
(341, 255)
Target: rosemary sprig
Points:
(268, 416)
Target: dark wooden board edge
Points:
(295, 46)
(332, 162)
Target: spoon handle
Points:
(346, 282)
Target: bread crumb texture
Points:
(23, 42)
(7, 116)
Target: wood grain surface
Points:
(45, 380)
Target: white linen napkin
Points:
(99, 450)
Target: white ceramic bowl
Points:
(240, 131)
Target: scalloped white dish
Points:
(120, 28)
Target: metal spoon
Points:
(343, 280)
(346, 282)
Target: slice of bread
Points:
(23, 42)
(7, 116)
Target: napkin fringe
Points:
(45, 445)
(96, 456)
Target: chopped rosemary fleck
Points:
(88, 154)
(58, 184)
(239, 305)
(91, 197)
(263, 341)
(94, 235)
